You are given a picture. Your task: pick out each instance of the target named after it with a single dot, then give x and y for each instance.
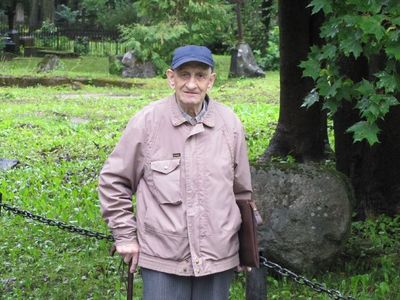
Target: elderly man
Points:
(185, 159)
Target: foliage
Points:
(110, 14)
(269, 58)
(2, 44)
(256, 32)
(81, 45)
(115, 65)
(65, 14)
(154, 42)
(47, 33)
(355, 28)
(166, 25)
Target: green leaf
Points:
(328, 89)
(372, 25)
(388, 82)
(311, 98)
(323, 86)
(318, 5)
(363, 130)
(331, 105)
(311, 68)
(330, 28)
(386, 101)
(393, 50)
(350, 44)
(328, 51)
(365, 87)
(396, 21)
(346, 90)
(369, 108)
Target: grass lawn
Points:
(62, 136)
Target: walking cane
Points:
(129, 292)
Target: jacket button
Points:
(165, 167)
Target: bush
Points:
(81, 45)
(2, 44)
(269, 58)
(115, 66)
(110, 14)
(166, 25)
(65, 14)
(47, 33)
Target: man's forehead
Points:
(194, 65)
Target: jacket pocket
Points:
(166, 178)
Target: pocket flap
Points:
(165, 166)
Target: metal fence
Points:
(78, 39)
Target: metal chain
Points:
(318, 287)
(61, 225)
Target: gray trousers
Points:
(163, 286)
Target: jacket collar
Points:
(178, 119)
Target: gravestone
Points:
(133, 68)
(306, 210)
(48, 63)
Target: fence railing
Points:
(75, 39)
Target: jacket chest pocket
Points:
(166, 178)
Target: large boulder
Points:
(306, 210)
(243, 63)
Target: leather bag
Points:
(248, 243)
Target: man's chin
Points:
(191, 100)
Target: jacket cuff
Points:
(124, 236)
(243, 196)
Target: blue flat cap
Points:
(191, 53)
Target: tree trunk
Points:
(34, 15)
(374, 171)
(300, 132)
(10, 12)
(48, 7)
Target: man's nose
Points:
(191, 83)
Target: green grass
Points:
(62, 136)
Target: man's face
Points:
(191, 82)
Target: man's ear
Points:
(212, 80)
(171, 78)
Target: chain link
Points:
(318, 287)
(61, 225)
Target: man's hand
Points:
(243, 269)
(129, 252)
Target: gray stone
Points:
(133, 68)
(306, 210)
(48, 63)
(243, 63)
(6, 164)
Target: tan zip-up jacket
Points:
(186, 179)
